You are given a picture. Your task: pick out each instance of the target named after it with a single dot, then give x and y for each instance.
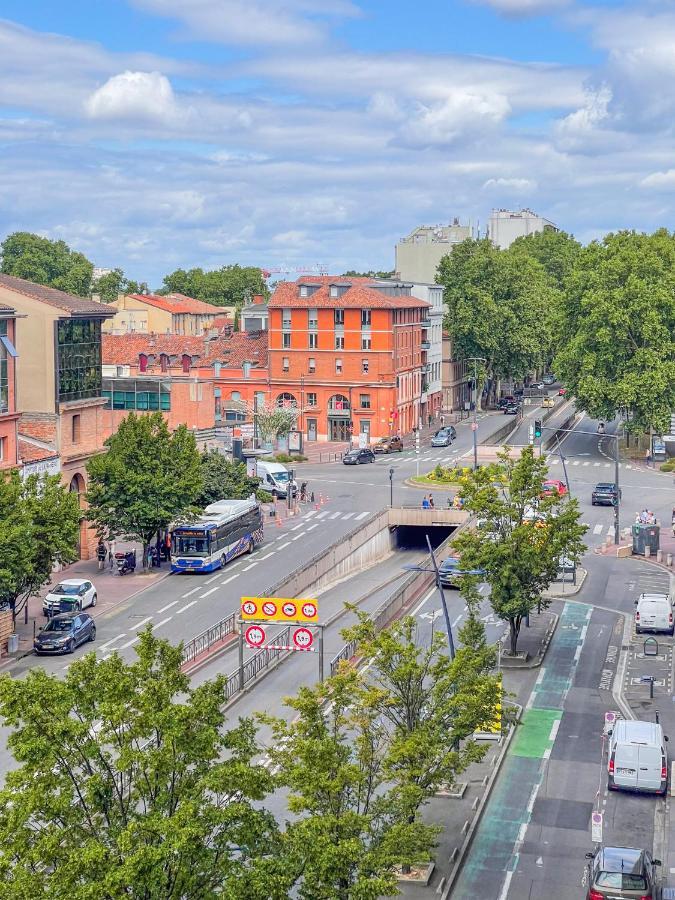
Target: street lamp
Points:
(474, 425)
(391, 487)
(446, 614)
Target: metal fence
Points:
(208, 638)
(263, 659)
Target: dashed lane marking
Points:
(287, 544)
(246, 568)
(205, 594)
(361, 516)
(188, 605)
(315, 525)
(231, 578)
(168, 606)
(190, 593)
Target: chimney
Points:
(258, 299)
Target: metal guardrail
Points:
(254, 665)
(208, 638)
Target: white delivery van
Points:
(637, 757)
(653, 612)
(275, 478)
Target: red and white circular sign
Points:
(249, 608)
(269, 608)
(303, 638)
(290, 610)
(255, 636)
(309, 609)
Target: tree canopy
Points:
(129, 785)
(148, 477)
(352, 273)
(113, 283)
(51, 263)
(39, 526)
(617, 329)
(227, 286)
(225, 478)
(522, 537)
(556, 251)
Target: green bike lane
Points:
(493, 857)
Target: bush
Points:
(668, 466)
(289, 458)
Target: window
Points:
(339, 342)
(287, 401)
(313, 319)
(143, 394)
(216, 369)
(286, 340)
(364, 400)
(364, 366)
(142, 362)
(311, 364)
(259, 397)
(4, 380)
(338, 367)
(235, 395)
(78, 358)
(164, 362)
(365, 317)
(75, 429)
(303, 290)
(313, 340)
(286, 319)
(339, 317)
(246, 368)
(311, 399)
(365, 342)
(333, 290)
(3, 448)
(186, 361)
(286, 364)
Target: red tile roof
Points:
(361, 295)
(231, 351)
(177, 303)
(77, 306)
(29, 453)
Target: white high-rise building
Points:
(418, 255)
(505, 226)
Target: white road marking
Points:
(610, 531)
(163, 622)
(361, 516)
(423, 601)
(187, 606)
(454, 624)
(168, 606)
(246, 568)
(597, 464)
(213, 578)
(266, 556)
(336, 515)
(347, 515)
(287, 544)
(112, 641)
(298, 536)
(143, 622)
(322, 514)
(231, 578)
(554, 730)
(312, 512)
(205, 594)
(295, 527)
(190, 593)
(315, 525)
(586, 463)
(598, 528)
(575, 462)
(129, 643)
(628, 467)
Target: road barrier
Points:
(208, 638)
(254, 665)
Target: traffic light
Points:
(537, 428)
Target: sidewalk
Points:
(112, 589)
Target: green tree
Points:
(39, 527)
(109, 286)
(147, 478)
(557, 252)
(228, 286)
(523, 538)
(370, 274)
(226, 479)
(272, 421)
(52, 263)
(350, 826)
(128, 785)
(617, 330)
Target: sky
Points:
(157, 134)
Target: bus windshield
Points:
(190, 544)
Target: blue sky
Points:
(152, 134)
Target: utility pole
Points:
(474, 425)
(451, 642)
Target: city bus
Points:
(225, 529)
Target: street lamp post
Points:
(391, 487)
(474, 425)
(451, 642)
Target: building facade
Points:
(505, 226)
(456, 386)
(350, 353)
(168, 314)
(59, 381)
(9, 417)
(419, 254)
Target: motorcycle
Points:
(126, 561)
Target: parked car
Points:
(654, 612)
(356, 457)
(65, 632)
(552, 487)
(605, 494)
(537, 385)
(73, 593)
(562, 392)
(444, 437)
(548, 402)
(450, 574)
(618, 872)
(566, 566)
(388, 445)
(548, 379)
(637, 758)
(511, 409)
(506, 401)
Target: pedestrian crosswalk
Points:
(330, 515)
(555, 461)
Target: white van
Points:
(275, 478)
(654, 612)
(637, 757)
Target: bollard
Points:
(659, 555)
(311, 499)
(669, 559)
(647, 552)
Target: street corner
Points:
(533, 642)
(562, 589)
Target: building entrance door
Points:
(311, 429)
(338, 429)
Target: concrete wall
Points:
(35, 366)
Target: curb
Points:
(541, 653)
(582, 574)
(459, 859)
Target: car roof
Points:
(74, 581)
(65, 615)
(634, 731)
(602, 485)
(621, 859)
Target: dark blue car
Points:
(451, 574)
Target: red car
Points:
(562, 392)
(549, 488)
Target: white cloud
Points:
(510, 185)
(660, 180)
(525, 7)
(141, 96)
(461, 114)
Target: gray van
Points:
(637, 757)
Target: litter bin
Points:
(12, 643)
(645, 536)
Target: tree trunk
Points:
(146, 545)
(514, 631)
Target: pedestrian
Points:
(303, 492)
(648, 457)
(111, 555)
(430, 420)
(442, 421)
(101, 554)
(431, 501)
(425, 502)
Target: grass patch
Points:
(449, 475)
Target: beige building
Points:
(456, 391)
(418, 255)
(168, 314)
(505, 226)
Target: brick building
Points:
(58, 375)
(8, 410)
(166, 314)
(350, 353)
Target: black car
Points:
(605, 494)
(356, 457)
(65, 632)
(616, 872)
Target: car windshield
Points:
(280, 476)
(66, 589)
(59, 625)
(624, 881)
(604, 487)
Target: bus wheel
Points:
(250, 548)
(223, 561)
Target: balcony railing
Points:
(426, 323)
(426, 345)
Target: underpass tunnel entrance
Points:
(414, 537)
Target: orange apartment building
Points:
(350, 353)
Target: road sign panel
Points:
(276, 609)
(596, 827)
(255, 636)
(303, 638)
(474, 426)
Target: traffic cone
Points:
(320, 499)
(277, 519)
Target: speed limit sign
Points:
(303, 638)
(255, 636)
(309, 609)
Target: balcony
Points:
(426, 323)
(426, 345)
(424, 369)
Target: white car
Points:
(80, 590)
